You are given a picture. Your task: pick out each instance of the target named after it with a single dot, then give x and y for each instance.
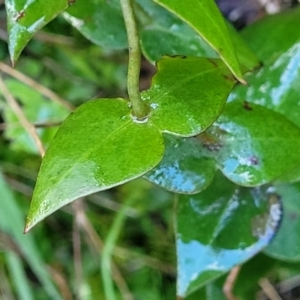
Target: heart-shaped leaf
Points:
(206, 19)
(286, 244)
(184, 167)
(250, 143)
(97, 147)
(99, 21)
(25, 18)
(188, 94)
(221, 227)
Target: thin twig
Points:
(268, 289)
(21, 116)
(3, 126)
(77, 249)
(229, 283)
(85, 224)
(35, 85)
(106, 257)
(61, 283)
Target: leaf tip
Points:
(28, 226)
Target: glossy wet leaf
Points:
(286, 244)
(276, 85)
(206, 19)
(250, 143)
(188, 94)
(97, 147)
(247, 58)
(179, 39)
(11, 223)
(99, 21)
(184, 167)
(221, 227)
(25, 18)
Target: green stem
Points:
(108, 251)
(139, 108)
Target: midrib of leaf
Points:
(164, 92)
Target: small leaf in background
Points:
(38, 110)
(184, 167)
(250, 143)
(188, 94)
(286, 244)
(11, 223)
(97, 147)
(25, 18)
(206, 19)
(101, 22)
(220, 228)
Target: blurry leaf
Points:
(25, 18)
(250, 143)
(289, 177)
(184, 167)
(206, 19)
(19, 276)
(188, 94)
(279, 32)
(286, 244)
(97, 147)
(12, 223)
(99, 21)
(220, 228)
(276, 85)
(37, 109)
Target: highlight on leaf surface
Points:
(97, 147)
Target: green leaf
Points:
(97, 147)
(184, 167)
(166, 34)
(101, 22)
(221, 227)
(250, 143)
(276, 85)
(286, 244)
(188, 94)
(11, 223)
(247, 58)
(25, 18)
(37, 109)
(206, 19)
(278, 29)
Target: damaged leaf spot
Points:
(209, 142)
(247, 106)
(19, 15)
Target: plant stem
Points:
(108, 249)
(139, 109)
